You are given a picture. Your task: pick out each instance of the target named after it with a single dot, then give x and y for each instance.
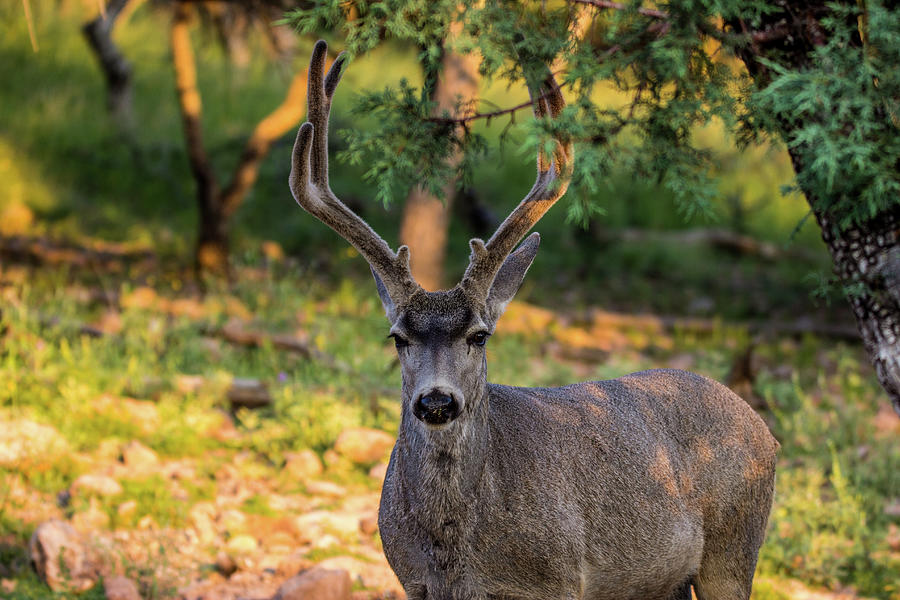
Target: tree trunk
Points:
(425, 218)
(216, 207)
(212, 245)
(866, 255)
(115, 67)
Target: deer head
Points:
(440, 336)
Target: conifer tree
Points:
(819, 75)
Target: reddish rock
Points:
(378, 472)
(120, 588)
(60, 558)
(369, 524)
(316, 584)
(303, 465)
(363, 446)
(102, 485)
(139, 458)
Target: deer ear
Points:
(509, 278)
(386, 301)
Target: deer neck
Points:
(441, 471)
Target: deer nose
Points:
(436, 408)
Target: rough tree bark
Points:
(866, 255)
(115, 67)
(217, 205)
(425, 218)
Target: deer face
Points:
(441, 340)
(440, 336)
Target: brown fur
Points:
(635, 488)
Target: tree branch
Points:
(276, 124)
(113, 64)
(189, 102)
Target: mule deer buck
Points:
(634, 488)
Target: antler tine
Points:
(553, 175)
(310, 187)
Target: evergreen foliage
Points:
(673, 63)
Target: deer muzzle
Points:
(436, 408)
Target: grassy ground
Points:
(159, 372)
(836, 512)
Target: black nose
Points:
(436, 408)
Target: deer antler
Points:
(552, 180)
(309, 183)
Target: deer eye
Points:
(478, 338)
(399, 341)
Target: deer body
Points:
(638, 488)
(610, 489)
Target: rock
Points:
(378, 472)
(316, 584)
(60, 558)
(368, 524)
(293, 563)
(21, 440)
(92, 519)
(242, 544)
(102, 485)
(233, 521)
(362, 445)
(373, 575)
(126, 510)
(120, 588)
(331, 458)
(202, 517)
(248, 393)
(225, 564)
(189, 384)
(303, 465)
(139, 458)
(325, 488)
(314, 525)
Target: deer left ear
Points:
(510, 276)
(386, 301)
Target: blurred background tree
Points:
(819, 75)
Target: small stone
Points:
(363, 445)
(92, 519)
(241, 544)
(126, 510)
(303, 465)
(325, 488)
(331, 458)
(378, 472)
(368, 524)
(233, 521)
(293, 563)
(120, 588)
(21, 440)
(102, 485)
(139, 458)
(59, 557)
(225, 564)
(316, 584)
(189, 384)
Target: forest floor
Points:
(216, 445)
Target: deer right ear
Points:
(386, 302)
(510, 276)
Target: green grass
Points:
(828, 527)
